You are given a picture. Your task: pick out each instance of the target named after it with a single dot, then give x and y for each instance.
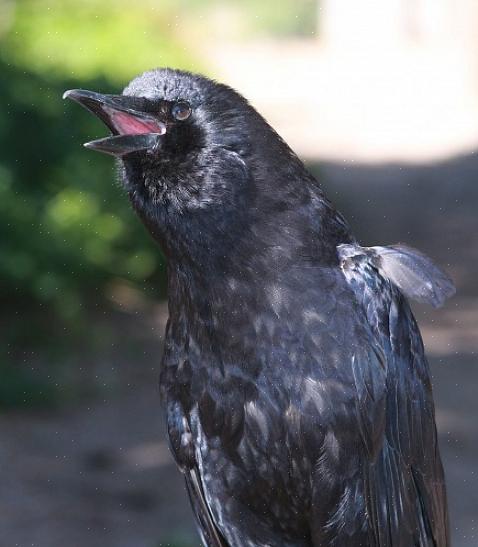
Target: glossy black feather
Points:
(406, 491)
(298, 395)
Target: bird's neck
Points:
(208, 271)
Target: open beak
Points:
(132, 128)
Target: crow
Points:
(297, 394)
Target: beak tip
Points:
(78, 95)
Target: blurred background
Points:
(380, 97)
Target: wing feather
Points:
(403, 475)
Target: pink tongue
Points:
(127, 124)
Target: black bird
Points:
(298, 396)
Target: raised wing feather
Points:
(408, 269)
(414, 274)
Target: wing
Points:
(404, 482)
(210, 535)
(181, 444)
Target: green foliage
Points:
(66, 228)
(115, 39)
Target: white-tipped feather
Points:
(410, 270)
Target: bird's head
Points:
(185, 145)
(202, 168)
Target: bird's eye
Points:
(181, 111)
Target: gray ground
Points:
(99, 473)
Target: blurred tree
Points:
(66, 229)
(114, 39)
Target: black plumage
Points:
(298, 396)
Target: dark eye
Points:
(181, 111)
